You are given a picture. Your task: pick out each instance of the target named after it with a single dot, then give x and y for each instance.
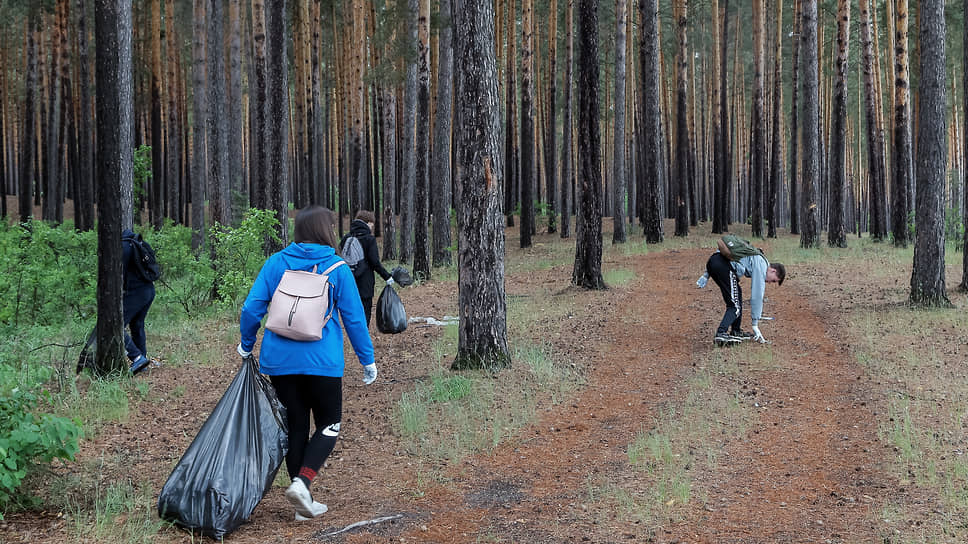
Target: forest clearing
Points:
(618, 420)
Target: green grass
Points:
(618, 277)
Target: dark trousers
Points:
(368, 309)
(722, 273)
(135, 306)
(319, 396)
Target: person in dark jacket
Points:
(362, 229)
(139, 293)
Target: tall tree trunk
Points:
(902, 160)
(837, 229)
(510, 121)
(794, 125)
(928, 273)
(776, 161)
(389, 171)
(277, 118)
(84, 199)
(218, 183)
(566, 131)
(758, 120)
(173, 156)
(619, 172)
(357, 170)
(156, 195)
(683, 145)
(724, 119)
(588, 252)
(875, 135)
(719, 178)
(527, 121)
(55, 178)
(651, 150)
(551, 123)
(199, 123)
(29, 137)
(482, 306)
(114, 118)
(964, 156)
(236, 164)
(442, 149)
(258, 146)
(421, 253)
(407, 147)
(810, 234)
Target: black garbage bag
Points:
(88, 353)
(391, 318)
(233, 460)
(401, 276)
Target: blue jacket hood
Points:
(303, 256)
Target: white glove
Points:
(701, 282)
(242, 351)
(390, 281)
(369, 373)
(758, 335)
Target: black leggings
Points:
(725, 277)
(302, 394)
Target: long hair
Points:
(314, 225)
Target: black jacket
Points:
(365, 280)
(132, 281)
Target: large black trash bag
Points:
(391, 318)
(401, 276)
(233, 460)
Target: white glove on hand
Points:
(242, 351)
(390, 281)
(369, 373)
(758, 335)
(701, 282)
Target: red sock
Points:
(308, 475)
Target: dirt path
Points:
(802, 473)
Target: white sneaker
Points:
(300, 498)
(318, 510)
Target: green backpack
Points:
(735, 248)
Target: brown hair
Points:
(314, 225)
(366, 216)
(780, 272)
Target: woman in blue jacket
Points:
(308, 376)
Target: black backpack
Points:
(143, 256)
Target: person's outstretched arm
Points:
(373, 259)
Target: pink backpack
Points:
(301, 304)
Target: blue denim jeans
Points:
(136, 304)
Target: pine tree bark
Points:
(236, 164)
(511, 156)
(588, 252)
(442, 149)
(964, 156)
(407, 146)
(114, 118)
(651, 150)
(84, 212)
(199, 123)
(794, 125)
(156, 196)
(421, 252)
(619, 171)
(482, 306)
(551, 125)
(683, 145)
(258, 193)
(902, 160)
(218, 183)
(776, 160)
(389, 172)
(173, 155)
(719, 187)
(357, 170)
(277, 119)
(810, 214)
(566, 122)
(837, 228)
(928, 274)
(875, 135)
(54, 197)
(29, 139)
(758, 120)
(527, 121)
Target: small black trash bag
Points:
(401, 276)
(391, 318)
(233, 460)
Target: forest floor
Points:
(666, 439)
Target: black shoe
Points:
(723, 340)
(741, 334)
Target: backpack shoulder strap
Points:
(334, 267)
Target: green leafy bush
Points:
(45, 273)
(29, 440)
(187, 277)
(239, 254)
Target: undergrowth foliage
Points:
(48, 281)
